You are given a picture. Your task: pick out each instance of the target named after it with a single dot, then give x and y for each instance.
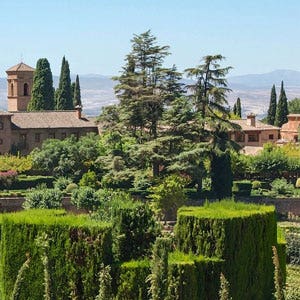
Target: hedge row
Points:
(77, 247)
(27, 182)
(189, 278)
(242, 235)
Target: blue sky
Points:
(255, 36)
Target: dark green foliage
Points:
(63, 99)
(77, 247)
(159, 269)
(272, 107)
(43, 198)
(85, 197)
(26, 182)
(77, 93)
(280, 186)
(282, 108)
(61, 183)
(42, 95)
(89, 179)
(241, 234)
(132, 282)
(238, 108)
(242, 188)
(221, 174)
(294, 106)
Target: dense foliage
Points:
(42, 95)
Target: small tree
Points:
(272, 107)
(77, 93)
(168, 196)
(282, 108)
(238, 107)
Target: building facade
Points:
(22, 131)
(290, 130)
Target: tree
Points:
(42, 97)
(272, 107)
(282, 108)
(294, 106)
(77, 93)
(64, 99)
(234, 109)
(238, 107)
(142, 85)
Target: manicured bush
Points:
(241, 234)
(61, 183)
(85, 197)
(118, 179)
(131, 282)
(71, 187)
(89, 179)
(27, 182)
(280, 186)
(242, 188)
(43, 198)
(77, 247)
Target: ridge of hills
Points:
(253, 89)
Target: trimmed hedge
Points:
(77, 247)
(242, 188)
(27, 182)
(281, 251)
(241, 234)
(189, 278)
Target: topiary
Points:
(71, 187)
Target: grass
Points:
(225, 209)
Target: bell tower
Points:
(19, 85)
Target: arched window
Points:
(11, 89)
(26, 89)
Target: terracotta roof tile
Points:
(258, 125)
(21, 67)
(49, 119)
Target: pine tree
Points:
(77, 93)
(238, 107)
(64, 99)
(42, 97)
(282, 108)
(272, 107)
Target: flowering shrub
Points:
(7, 178)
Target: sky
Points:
(255, 36)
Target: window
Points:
(63, 135)
(1, 125)
(271, 136)
(37, 137)
(26, 93)
(51, 135)
(253, 137)
(11, 89)
(239, 137)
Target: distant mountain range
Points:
(253, 89)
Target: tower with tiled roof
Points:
(19, 84)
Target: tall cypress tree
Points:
(238, 107)
(272, 107)
(42, 97)
(64, 99)
(234, 108)
(77, 93)
(282, 108)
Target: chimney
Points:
(78, 109)
(251, 120)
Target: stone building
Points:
(23, 131)
(253, 132)
(290, 130)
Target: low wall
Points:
(11, 204)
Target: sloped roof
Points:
(258, 125)
(21, 67)
(49, 119)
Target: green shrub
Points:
(121, 179)
(71, 187)
(280, 186)
(89, 179)
(43, 198)
(77, 247)
(28, 182)
(85, 197)
(242, 188)
(256, 185)
(61, 183)
(168, 196)
(241, 234)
